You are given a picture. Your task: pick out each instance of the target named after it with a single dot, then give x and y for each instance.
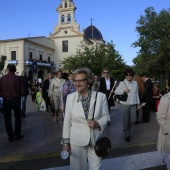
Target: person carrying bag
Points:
(78, 139)
(131, 104)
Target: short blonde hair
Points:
(87, 72)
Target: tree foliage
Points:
(140, 65)
(2, 62)
(154, 41)
(96, 59)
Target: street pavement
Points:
(40, 149)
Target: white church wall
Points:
(73, 45)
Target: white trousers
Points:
(79, 157)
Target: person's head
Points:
(156, 87)
(40, 88)
(144, 76)
(49, 75)
(70, 76)
(58, 74)
(11, 68)
(83, 79)
(106, 72)
(129, 73)
(95, 78)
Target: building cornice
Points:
(37, 44)
(27, 40)
(70, 36)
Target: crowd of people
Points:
(72, 99)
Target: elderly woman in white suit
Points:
(79, 130)
(163, 118)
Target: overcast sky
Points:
(116, 19)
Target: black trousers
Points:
(15, 105)
(146, 112)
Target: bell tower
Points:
(67, 37)
(66, 17)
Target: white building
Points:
(22, 51)
(47, 53)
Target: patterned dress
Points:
(68, 88)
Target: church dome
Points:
(92, 32)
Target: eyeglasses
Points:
(79, 81)
(106, 72)
(128, 74)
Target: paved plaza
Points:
(40, 149)
(131, 162)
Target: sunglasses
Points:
(129, 74)
(105, 72)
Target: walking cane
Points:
(112, 90)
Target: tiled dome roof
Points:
(92, 32)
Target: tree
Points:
(2, 62)
(154, 40)
(96, 59)
(139, 65)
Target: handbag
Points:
(102, 146)
(123, 97)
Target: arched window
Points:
(62, 19)
(69, 18)
(65, 5)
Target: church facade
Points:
(39, 55)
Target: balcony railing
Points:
(30, 63)
(39, 63)
(13, 62)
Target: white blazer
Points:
(75, 124)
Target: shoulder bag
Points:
(123, 97)
(102, 146)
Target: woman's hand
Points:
(138, 106)
(126, 91)
(62, 109)
(66, 147)
(93, 124)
